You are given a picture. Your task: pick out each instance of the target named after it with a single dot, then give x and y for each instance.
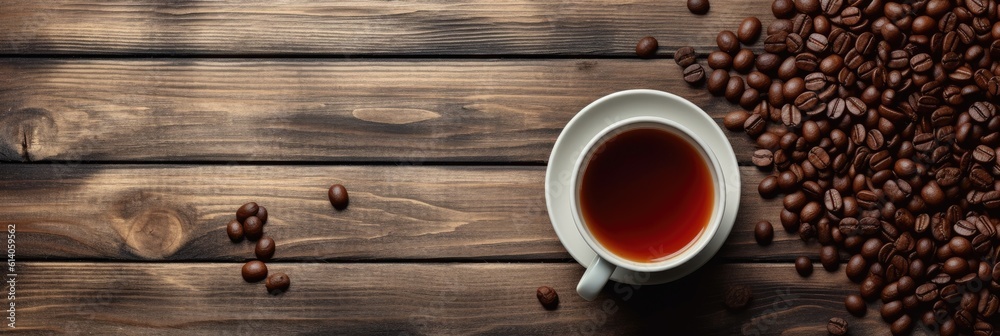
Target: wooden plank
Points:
(154, 212)
(361, 27)
(106, 298)
(409, 111)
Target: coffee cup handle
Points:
(595, 278)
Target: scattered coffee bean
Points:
(646, 48)
(548, 297)
(685, 56)
(737, 297)
(277, 283)
(694, 74)
(804, 266)
(829, 257)
(837, 326)
(698, 7)
(338, 196)
(763, 232)
(264, 248)
(254, 271)
(856, 305)
(262, 214)
(235, 230)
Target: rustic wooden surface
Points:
(131, 131)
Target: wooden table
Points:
(132, 130)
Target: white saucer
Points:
(602, 113)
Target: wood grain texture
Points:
(435, 299)
(360, 27)
(177, 212)
(408, 111)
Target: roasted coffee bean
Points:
(246, 211)
(719, 60)
(698, 7)
(755, 125)
(253, 228)
(734, 120)
(856, 305)
(743, 61)
(830, 258)
(795, 43)
(768, 187)
(803, 266)
(235, 230)
(892, 310)
(776, 43)
(927, 292)
(685, 56)
(817, 43)
(857, 268)
(902, 326)
(782, 9)
(717, 81)
(837, 326)
(758, 81)
(734, 89)
(727, 42)
(264, 248)
(646, 47)
(737, 297)
(694, 74)
(763, 233)
(254, 271)
(956, 266)
(749, 30)
(548, 297)
(338, 196)
(277, 283)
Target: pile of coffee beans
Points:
(879, 122)
(249, 223)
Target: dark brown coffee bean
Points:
(856, 305)
(902, 326)
(794, 43)
(892, 310)
(829, 257)
(791, 116)
(646, 47)
(807, 6)
(254, 271)
(727, 42)
(338, 196)
(837, 326)
(694, 74)
(262, 214)
(749, 30)
(783, 9)
(548, 297)
(277, 283)
(685, 56)
(768, 187)
(776, 43)
(758, 81)
(932, 193)
(803, 266)
(235, 230)
(808, 62)
(734, 89)
(927, 292)
(754, 124)
(817, 43)
(767, 62)
(982, 111)
(982, 328)
(253, 228)
(719, 60)
(964, 319)
(264, 248)
(698, 7)
(956, 266)
(857, 268)
(718, 80)
(764, 233)
(246, 211)
(763, 158)
(866, 43)
(743, 61)
(737, 297)
(819, 158)
(965, 228)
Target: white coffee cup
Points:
(606, 262)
